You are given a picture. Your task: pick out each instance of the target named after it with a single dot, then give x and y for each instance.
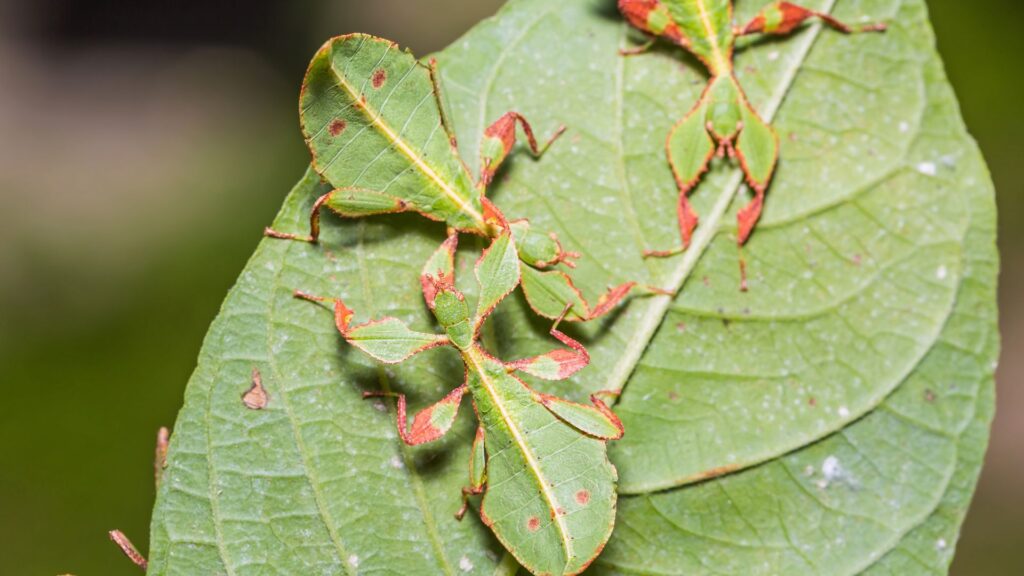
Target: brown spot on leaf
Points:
(812, 401)
(533, 524)
(673, 395)
(681, 327)
(583, 496)
(255, 398)
(929, 396)
(716, 472)
(337, 126)
(380, 76)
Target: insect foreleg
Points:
(348, 203)
(477, 472)
(435, 79)
(781, 18)
(499, 139)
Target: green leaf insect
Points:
(368, 107)
(540, 461)
(722, 123)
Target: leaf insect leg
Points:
(780, 18)
(348, 202)
(428, 424)
(477, 472)
(446, 123)
(499, 139)
(558, 364)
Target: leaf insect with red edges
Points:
(370, 111)
(722, 122)
(539, 461)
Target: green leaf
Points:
(850, 389)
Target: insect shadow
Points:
(346, 234)
(428, 459)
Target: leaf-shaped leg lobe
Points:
(597, 421)
(497, 274)
(689, 148)
(499, 138)
(349, 202)
(548, 292)
(428, 424)
(388, 339)
(780, 18)
(651, 17)
(439, 270)
(558, 364)
(477, 471)
(757, 148)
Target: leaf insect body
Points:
(540, 461)
(722, 123)
(368, 106)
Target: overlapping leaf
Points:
(856, 370)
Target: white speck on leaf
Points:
(465, 565)
(844, 412)
(830, 468)
(940, 544)
(397, 463)
(904, 127)
(927, 168)
(942, 272)
(353, 561)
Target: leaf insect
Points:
(372, 111)
(540, 461)
(722, 123)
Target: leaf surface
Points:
(849, 391)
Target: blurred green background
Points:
(144, 145)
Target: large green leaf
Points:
(850, 388)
